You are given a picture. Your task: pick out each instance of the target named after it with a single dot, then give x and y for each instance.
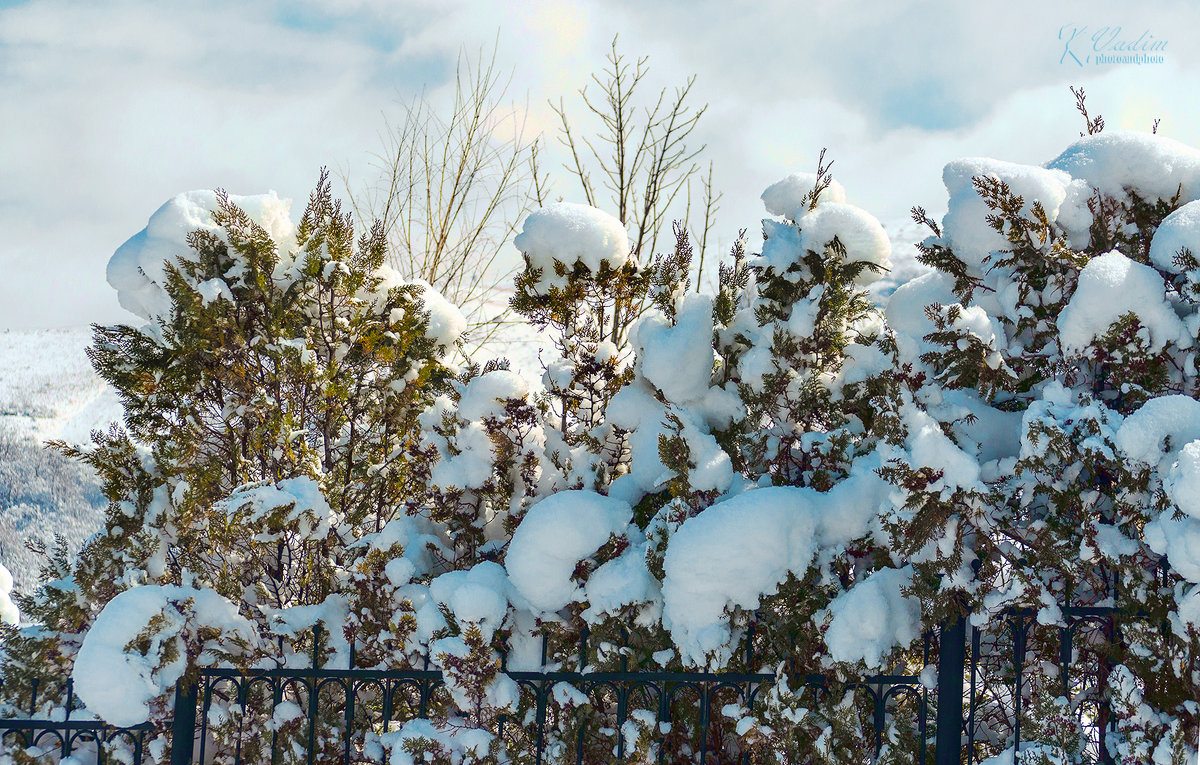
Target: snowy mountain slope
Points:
(47, 386)
(47, 390)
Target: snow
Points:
(137, 269)
(873, 617)
(477, 596)
(733, 554)
(678, 360)
(119, 684)
(414, 535)
(8, 610)
(570, 233)
(785, 197)
(485, 395)
(1182, 483)
(930, 447)
(905, 312)
(459, 741)
(622, 581)
(1030, 754)
(553, 537)
(965, 228)
(1115, 160)
(646, 419)
(1179, 231)
(981, 430)
(858, 231)
(1179, 540)
(466, 450)
(1158, 429)
(1110, 286)
(446, 324)
(742, 549)
(301, 497)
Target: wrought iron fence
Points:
(324, 714)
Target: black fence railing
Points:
(323, 714)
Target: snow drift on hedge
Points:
(554, 536)
(678, 359)
(873, 617)
(467, 463)
(1179, 231)
(1110, 286)
(785, 197)
(446, 322)
(571, 233)
(1160, 427)
(858, 231)
(965, 226)
(1115, 160)
(740, 550)
(136, 270)
(118, 682)
(477, 596)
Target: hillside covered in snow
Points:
(47, 391)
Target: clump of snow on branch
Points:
(1111, 286)
(555, 535)
(567, 233)
(873, 617)
(119, 682)
(789, 197)
(136, 270)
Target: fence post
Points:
(951, 665)
(183, 726)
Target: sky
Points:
(108, 109)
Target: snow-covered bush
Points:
(1057, 303)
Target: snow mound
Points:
(555, 535)
(873, 617)
(1110, 286)
(478, 596)
(446, 322)
(1182, 483)
(1159, 428)
(117, 683)
(733, 554)
(1117, 160)
(678, 360)
(742, 549)
(965, 225)
(137, 269)
(571, 233)
(858, 231)
(1179, 231)
(785, 198)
